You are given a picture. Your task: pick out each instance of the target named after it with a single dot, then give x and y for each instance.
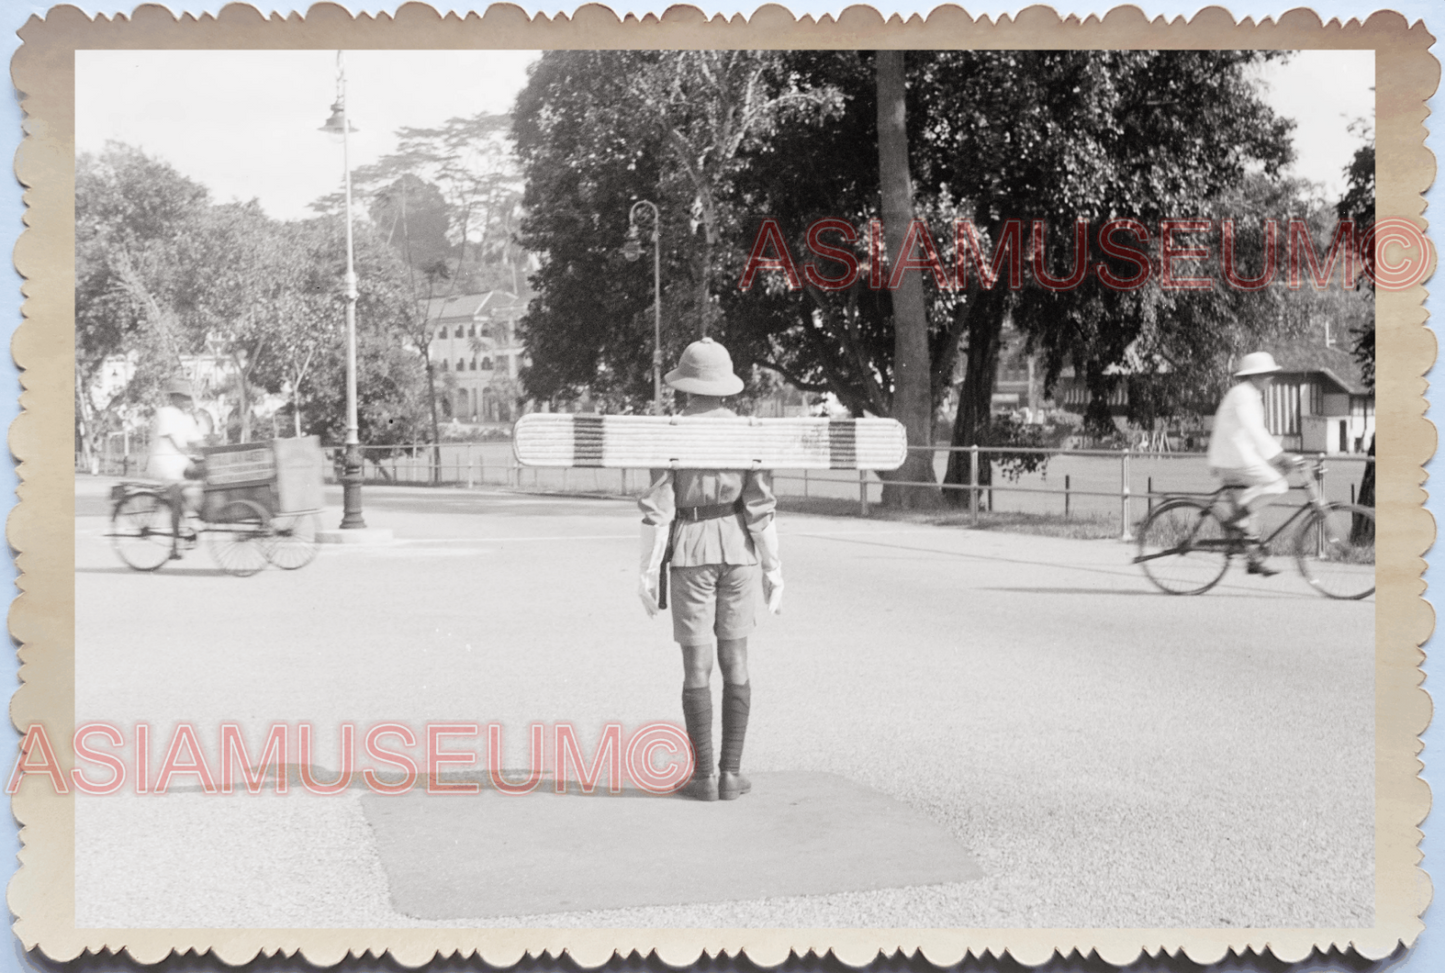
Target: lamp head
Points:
(338, 124)
(632, 249)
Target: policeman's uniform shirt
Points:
(719, 540)
(171, 426)
(1240, 440)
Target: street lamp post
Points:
(351, 477)
(632, 251)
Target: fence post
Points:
(1320, 478)
(1149, 497)
(471, 481)
(1124, 534)
(862, 493)
(1066, 496)
(805, 482)
(973, 482)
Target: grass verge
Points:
(1077, 526)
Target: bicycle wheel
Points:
(237, 538)
(1335, 550)
(1183, 548)
(140, 531)
(292, 541)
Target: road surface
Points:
(1109, 756)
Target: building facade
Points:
(476, 356)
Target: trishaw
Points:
(261, 505)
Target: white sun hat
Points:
(706, 368)
(1256, 363)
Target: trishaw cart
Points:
(269, 491)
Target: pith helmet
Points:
(706, 368)
(1256, 363)
(179, 386)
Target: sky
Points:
(245, 123)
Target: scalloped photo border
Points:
(41, 528)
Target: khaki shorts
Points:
(713, 601)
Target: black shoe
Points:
(731, 786)
(701, 788)
(1261, 569)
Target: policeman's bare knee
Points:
(696, 665)
(732, 657)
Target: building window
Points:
(459, 331)
(486, 364)
(472, 331)
(461, 364)
(442, 333)
(444, 364)
(472, 365)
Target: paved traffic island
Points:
(490, 855)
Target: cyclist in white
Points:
(174, 456)
(1243, 453)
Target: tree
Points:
(163, 276)
(1358, 205)
(996, 137)
(412, 215)
(306, 350)
(441, 188)
(992, 136)
(132, 213)
(234, 295)
(597, 131)
(912, 400)
(1079, 136)
(587, 157)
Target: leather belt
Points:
(714, 511)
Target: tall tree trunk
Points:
(243, 402)
(88, 433)
(975, 395)
(1360, 530)
(1367, 481)
(912, 394)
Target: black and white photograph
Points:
(727, 488)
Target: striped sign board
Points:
(708, 442)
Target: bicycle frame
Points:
(1236, 543)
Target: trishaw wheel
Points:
(140, 530)
(237, 536)
(292, 540)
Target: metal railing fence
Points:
(1084, 483)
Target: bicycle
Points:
(1185, 546)
(260, 506)
(143, 535)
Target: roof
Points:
(465, 307)
(1311, 355)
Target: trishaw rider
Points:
(714, 527)
(174, 459)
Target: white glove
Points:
(772, 565)
(654, 543)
